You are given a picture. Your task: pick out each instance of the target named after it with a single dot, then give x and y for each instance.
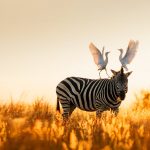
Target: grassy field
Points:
(36, 126)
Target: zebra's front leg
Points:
(115, 111)
(99, 114)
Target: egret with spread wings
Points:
(99, 57)
(130, 53)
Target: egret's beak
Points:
(120, 49)
(107, 53)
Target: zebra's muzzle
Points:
(122, 95)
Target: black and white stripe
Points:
(87, 94)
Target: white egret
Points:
(99, 58)
(130, 53)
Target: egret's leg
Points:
(107, 73)
(100, 74)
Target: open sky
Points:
(45, 41)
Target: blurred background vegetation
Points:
(37, 126)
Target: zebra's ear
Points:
(114, 72)
(122, 71)
(128, 73)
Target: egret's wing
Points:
(131, 51)
(97, 56)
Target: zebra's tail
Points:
(58, 106)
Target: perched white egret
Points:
(99, 58)
(130, 53)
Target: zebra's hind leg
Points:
(99, 114)
(67, 114)
(68, 108)
(72, 108)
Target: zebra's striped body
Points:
(87, 94)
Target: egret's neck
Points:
(106, 55)
(121, 53)
(103, 52)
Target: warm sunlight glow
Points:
(43, 42)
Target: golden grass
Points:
(36, 126)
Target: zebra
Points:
(92, 94)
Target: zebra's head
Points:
(121, 82)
